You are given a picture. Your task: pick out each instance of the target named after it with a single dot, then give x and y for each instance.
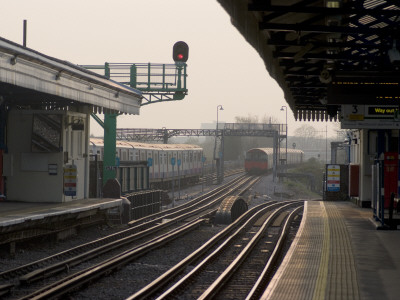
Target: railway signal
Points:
(180, 52)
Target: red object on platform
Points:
(354, 178)
(390, 175)
(1, 175)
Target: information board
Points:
(333, 178)
(369, 116)
(70, 179)
(364, 90)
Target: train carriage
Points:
(161, 171)
(260, 160)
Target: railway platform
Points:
(338, 253)
(27, 220)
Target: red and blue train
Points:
(260, 160)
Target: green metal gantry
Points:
(157, 82)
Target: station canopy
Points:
(327, 53)
(32, 80)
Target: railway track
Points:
(235, 268)
(153, 228)
(212, 177)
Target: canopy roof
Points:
(308, 45)
(29, 79)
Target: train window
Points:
(142, 156)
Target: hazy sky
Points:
(223, 68)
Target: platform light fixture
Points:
(218, 166)
(219, 107)
(333, 3)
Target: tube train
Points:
(163, 169)
(260, 160)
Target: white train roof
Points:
(138, 145)
(271, 150)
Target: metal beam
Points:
(303, 3)
(342, 56)
(141, 134)
(322, 44)
(325, 11)
(322, 29)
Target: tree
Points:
(253, 119)
(236, 147)
(306, 131)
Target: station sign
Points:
(333, 178)
(369, 116)
(70, 180)
(364, 90)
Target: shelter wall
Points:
(36, 173)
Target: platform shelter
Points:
(45, 109)
(337, 60)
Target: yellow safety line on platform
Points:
(342, 276)
(321, 283)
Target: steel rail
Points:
(80, 278)
(190, 204)
(60, 266)
(262, 280)
(136, 227)
(73, 261)
(107, 267)
(155, 285)
(226, 191)
(229, 271)
(151, 288)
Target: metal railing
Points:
(157, 82)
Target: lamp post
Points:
(219, 107)
(284, 107)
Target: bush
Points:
(312, 168)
